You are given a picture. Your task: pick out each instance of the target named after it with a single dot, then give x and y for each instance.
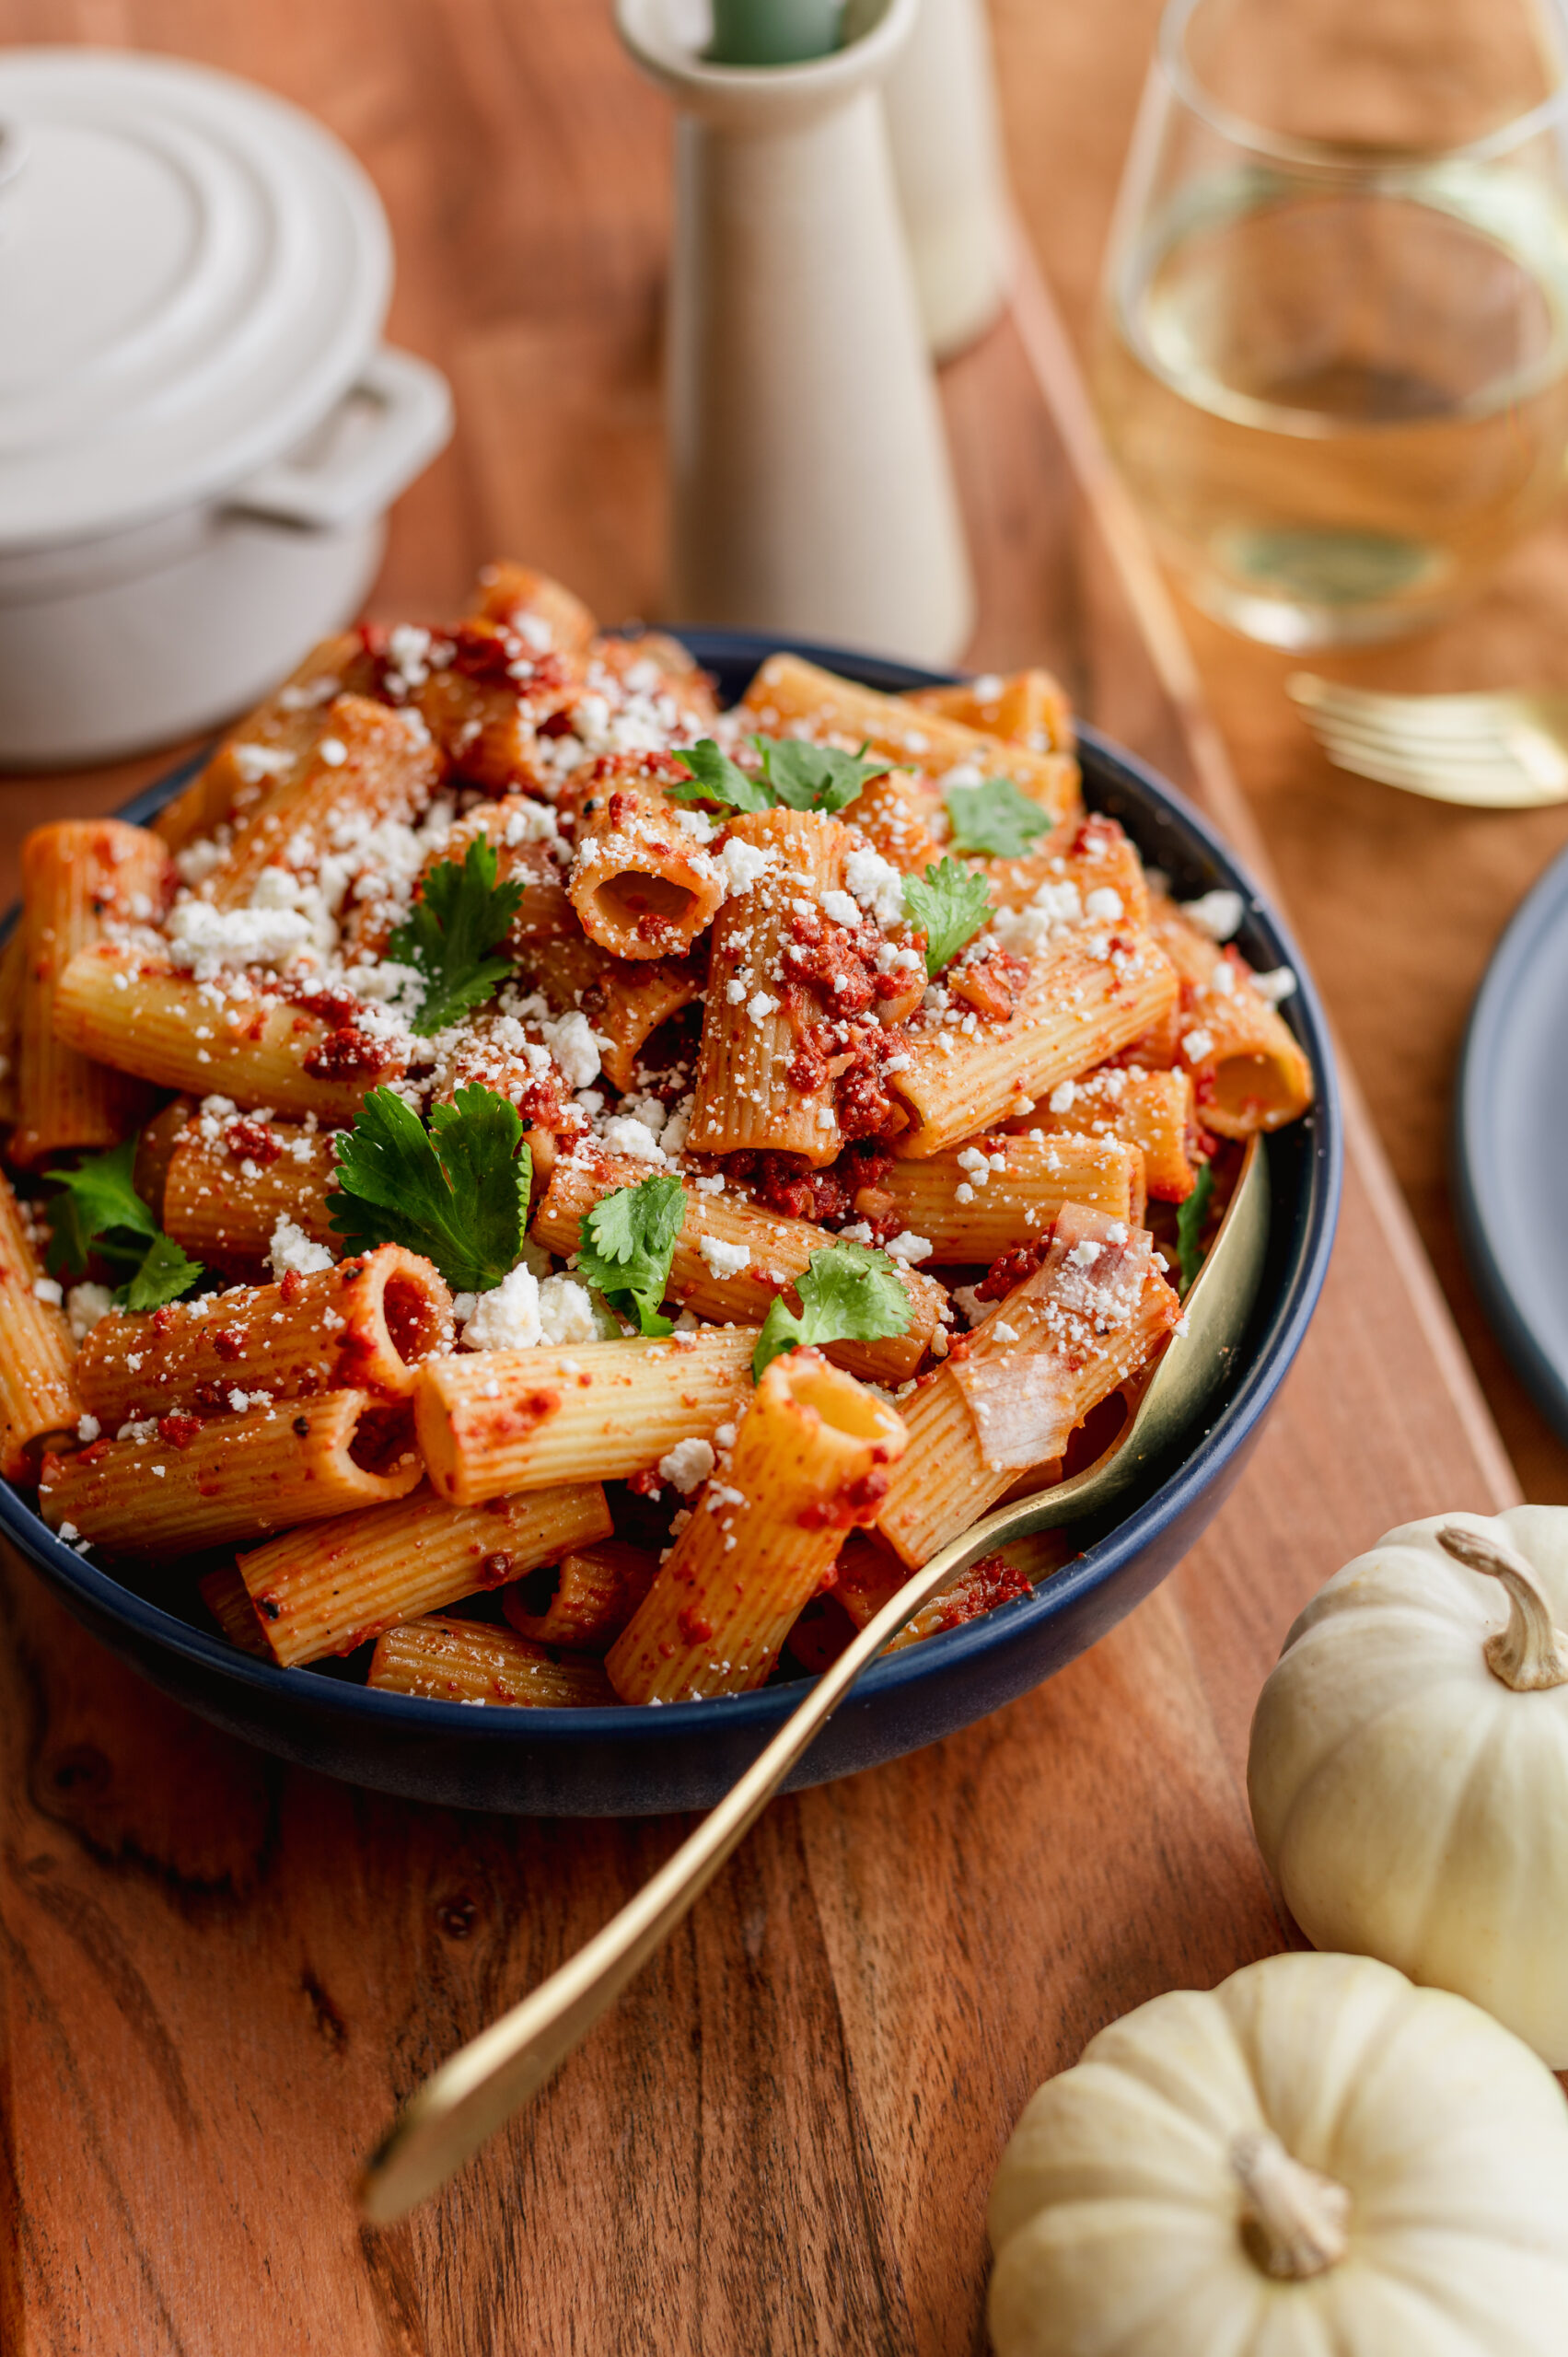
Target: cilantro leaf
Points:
(949, 904)
(848, 1294)
(450, 933)
(715, 778)
(164, 1273)
(995, 818)
(1190, 1220)
(99, 1213)
(458, 1192)
(794, 774)
(815, 777)
(626, 1243)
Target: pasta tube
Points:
(642, 884)
(1025, 708)
(494, 1421)
(334, 1586)
(585, 1600)
(1250, 1070)
(192, 1481)
(266, 748)
(1093, 1312)
(362, 1326)
(732, 1258)
(977, 1201)
(258, 1048)
(37, 1394)
(77, 875)
(789, 697)
(810, 1460)
(749, 1090)
(227, 1599)
(1155, 1111)
(1074, 1008)
(625, 1001)
(473, 1661)
(229, 1183)
(370, 763)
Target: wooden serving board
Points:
(218, 1975)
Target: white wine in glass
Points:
(1333, 359)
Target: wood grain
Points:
(217, 1974)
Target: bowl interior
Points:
(1304, 1166)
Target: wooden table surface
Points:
(216, 1975)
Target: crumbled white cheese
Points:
(566, 1313)
(744, 866)
(687, 1465)
(203, 940)
(88, 1428)
(840, 908)
(333, 751)
(1219, 914)
(876, 883)
(507, 1317)
(1061, 1096)
(724, 1260)
(1197, 1044)
(1280, 983)
(623, 1134)
(254, 763)
(909, 1247)
(84, 1305)
(571, 1041)
(1104, 905)
(49, 1289)
(290, 1249)
(760, 1006)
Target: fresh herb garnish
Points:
(848, 1294)
(795, 775)
(450, 933)
(995, 818)
(949, 903)
(715, 778)
(456, 1192)
(98, 1213)
(1189, 1218)
(625, 1245)
(816, 777)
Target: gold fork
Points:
(1501, 751)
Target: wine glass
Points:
(1333, 353)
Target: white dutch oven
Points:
(199, 429)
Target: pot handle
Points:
(368, 459)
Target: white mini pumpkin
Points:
(1315, 2159)
(1409, 1767)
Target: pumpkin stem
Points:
(1297, 2216)
(1529, 1652)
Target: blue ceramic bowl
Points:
(640, 1762)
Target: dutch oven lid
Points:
(192, 274)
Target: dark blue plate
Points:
(1511, 1142)
(640, 1762)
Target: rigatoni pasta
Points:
(515, 1140)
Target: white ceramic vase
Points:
(811, 481)
(941, 106)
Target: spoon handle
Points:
(480, 2087)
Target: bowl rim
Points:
(759, 1712)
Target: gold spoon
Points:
(479, 2088)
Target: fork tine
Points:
(1504, 787)
(1482, 709)
(1409, 719)
(1485, 755)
